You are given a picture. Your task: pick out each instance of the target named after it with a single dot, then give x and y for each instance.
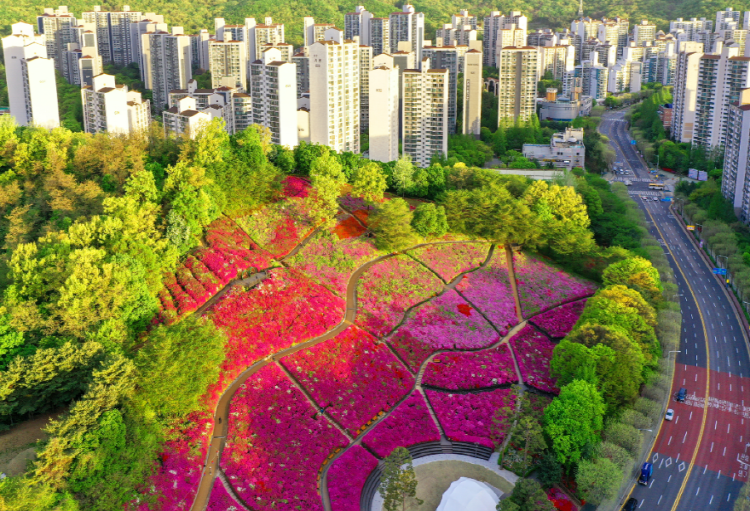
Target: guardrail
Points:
(420, 451)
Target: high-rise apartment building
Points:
(685, 90)
(57, 27)
(625, 76)
(473, 87)
(334, 92)
(518, 71)
(557, 60)
(407, 25)
(302, 61)
(365, 65)
(384, 121)
(728, 18)
(446, 58)
(108, 107)
(82, 64)
(228, 64)
(734, 180)
(380, 36)
(463, 18)
(593, 79)
(582, 30)
(274, 95)
(32, 90)
(691, 27)
(259, 35)
(167, 64)
(493, 24)
(720, 79)
(233, 106)
(644, 32)
(357, 24)
(424, 114)
(450, 35)
(609, 32)
(118, 40)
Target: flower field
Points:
(277, 444)
(558, 322)
(351, 376)
(410, 423)
(283, 310)
(534, 352)
(490, 291)
(347, 476)
(220, 499)
(542, 286)
(330, 262)
(446, 322)
(349, 227)
(295, 187)
(560, 500)
(390, 287)
(449, 260)
(229, 252)
(469, 417)
(471, 370)
(280, 226)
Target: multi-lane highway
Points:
(701, 457)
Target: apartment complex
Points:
(407, 26)
(357, 24)
(167, 64)
(108, 107)
(228, 64)
(447, 58)
(274, 95)
(686, 91)
(57, 27)
(493, 24)
(735, 180)
(334, 92)
(425, 113)
(32, 90)
(518, 71)
(365, 65)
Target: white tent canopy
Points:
(468, 495)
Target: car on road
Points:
(681, 395)
(669, 415)
(656, 199)
(646, 470)
(630, 505)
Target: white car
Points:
(656, 199)
(669, 415)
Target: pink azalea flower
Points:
(559, 321)
(471, 370)
(450, 260)
(347, 477)
(409, 424)
(534, 352)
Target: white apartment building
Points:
(260, 35)
(727, 18)
(273, 88)
(365, 65)
(691, 27)
(57, 27)
(334, 92)
(82, 64)
(510, 36)
(167, 64)
(473, 88)
(734, 180)
(544, 37)
(235, 106)
(302, 61)
(451, 35)
(357, 24)
(464, 18)
(228, 64)
(582, 30)
(644, 32)
(383, 129)
(424, 113)
(518, 71)
(118, 40)
(32, 90)
(594, 79)
(184, 119)
(625, 76)
(720, 79)
(558, 60)
(149, 22)
(112, 108)
(407, 26)
(448, 58)
(493, 24)
(685, 90)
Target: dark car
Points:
(646, 470)
(681, 395)
(630, 505)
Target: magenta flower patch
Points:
(347, 477)
(451, 259)
(534, 353)
(559, 321)
(276, 444)
(351, 376)
(221, 500)
(471, 369)
(409, 424)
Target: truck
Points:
(646, 471)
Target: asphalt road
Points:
(701, 457)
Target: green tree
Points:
(573, 420)
(398, 482)
(327, 177)
(164, 385)
(636, 273)
(527, 495)
(391, 224)
(403, 173)
(369, 182)
(12, 343)
(549, 471)
(429, 221)
(598, 479)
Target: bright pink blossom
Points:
(409, 424)
(347, 477)
(451, 259)
(471, 369)
(351, 376)
(276, 444)
(559, 321)
(221, 499)
(534, 352)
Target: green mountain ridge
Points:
(194, 16)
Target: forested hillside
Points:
(544, 13)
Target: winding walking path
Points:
(212, 468)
